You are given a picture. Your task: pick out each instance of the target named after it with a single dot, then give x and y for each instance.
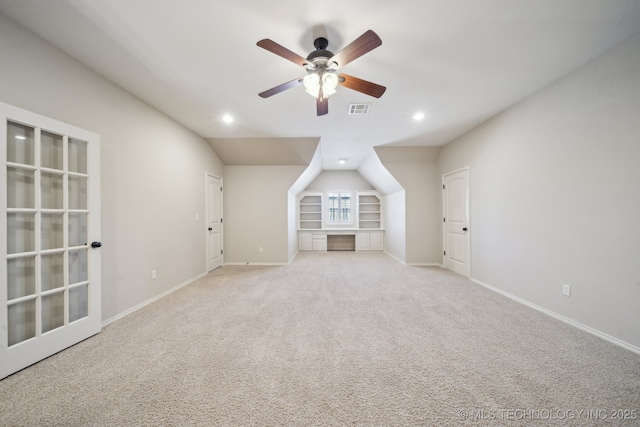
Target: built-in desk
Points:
(338, 239)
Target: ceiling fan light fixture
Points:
(320, 84)
(311, 84)
(329, 84)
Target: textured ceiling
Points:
(457, 61)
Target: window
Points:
(339, 209)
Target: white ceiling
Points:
(457, 61)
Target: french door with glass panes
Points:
(49, 256)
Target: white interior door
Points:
(49, 268)
(214, 221)
(456, 234)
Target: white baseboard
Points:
(566, 320)
(395, 257)
(414, 264)
(258, 263)
(149, 301)
(419, 264)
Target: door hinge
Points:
(220, 188)
(445, 252)
(220, 220)
(443, 186)
(444, 219)
(221, 252)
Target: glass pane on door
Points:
(78, 266)
(52, 236)
(51, 271)
(20, 144)
(52, 311)
(20, 232)
(78, 233)
(77, 156)
(20, 188)
(51, 150)
(22, 321)
(52, 193)
(21, 277)
(78, 302)
(78, 190)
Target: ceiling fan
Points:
(322, 66)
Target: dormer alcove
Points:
(340, 211)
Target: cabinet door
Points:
(376, 240)
(362, 241)
(305, 240)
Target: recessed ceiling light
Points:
(342, 160)
(418, 116)
(227, 118)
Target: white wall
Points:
(292, 225)
(339, 180)
(257, 213)
(310, 173)
(374, 172)
(555, 195)
(416, 169)
(152, 168)
(393, 204)
(394, 222)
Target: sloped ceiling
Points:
(457, 61)
(264, 151)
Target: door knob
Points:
(210, 229)
(96, 244)
(464, 229)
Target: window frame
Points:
(327, 209)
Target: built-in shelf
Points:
(310, 211)
(369, 210)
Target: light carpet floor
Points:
(334, 339)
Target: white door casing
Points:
(50, 295)
(214, 221)
(456, 234)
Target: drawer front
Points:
(319, 242)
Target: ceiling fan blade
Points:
(280, 88)
(282, 51)
(360, 85)
(363, 44)
(322, 105)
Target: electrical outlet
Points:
(566, 290)
(153, 275)
(197, 217)
(260, 249)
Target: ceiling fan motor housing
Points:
(321, 51)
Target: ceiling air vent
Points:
(359, 109)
